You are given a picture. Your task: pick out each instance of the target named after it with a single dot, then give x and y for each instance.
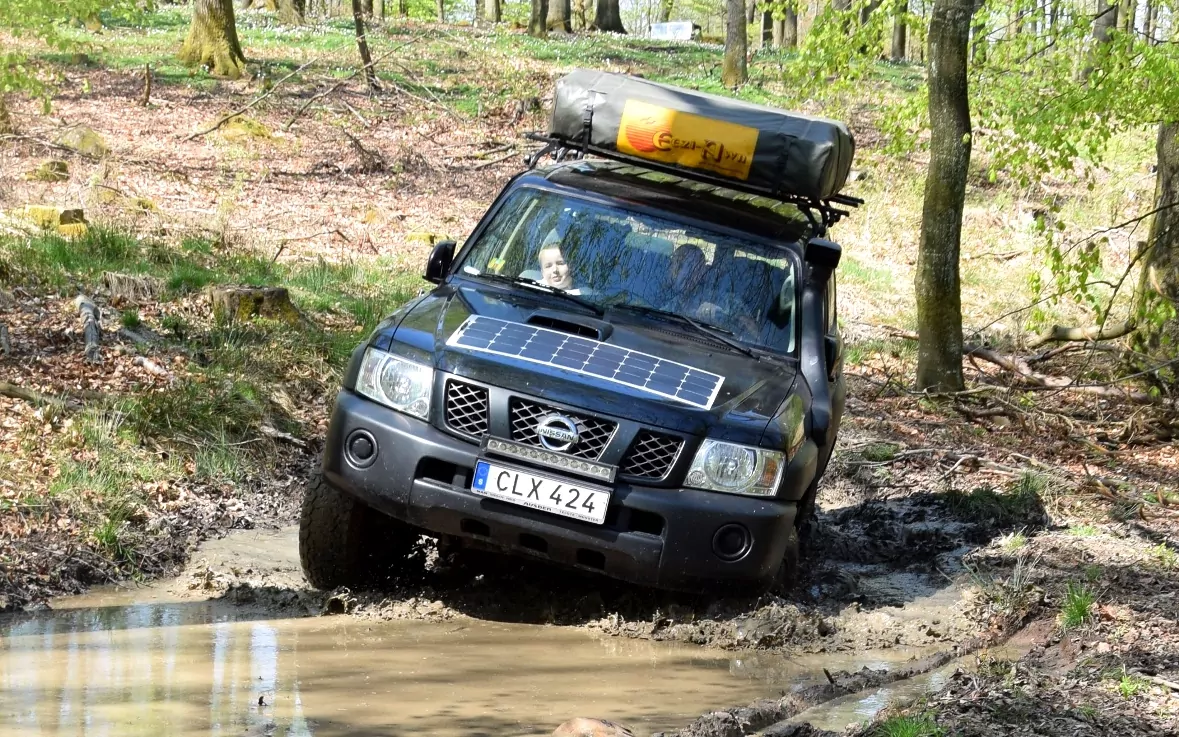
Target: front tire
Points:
(345, 542)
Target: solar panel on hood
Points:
(580, 355)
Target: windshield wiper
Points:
(713, 331)
(596, 309)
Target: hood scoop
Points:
(564, 323)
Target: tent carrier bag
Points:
(749, 147)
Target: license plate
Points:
(575, 500)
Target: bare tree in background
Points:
(734, 71)
(366, 58)
(212, 39)
(938, 283)
(608, 17)
(560, 15)
(538, 19)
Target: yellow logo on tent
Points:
(675, 137)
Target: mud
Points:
(209, 653)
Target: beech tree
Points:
(560, 16)
(733, 70)
(939, 300)
(608, 16)
(538, 19)
(212, 40)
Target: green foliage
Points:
(1130, 685)
(1077, 608)
(1018, 505)
(921, 725)
(129, 318)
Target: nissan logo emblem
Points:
(557, 433)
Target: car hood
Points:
(752, 393)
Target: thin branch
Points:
(1062, 333)
(225, 119)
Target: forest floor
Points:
(947, 523)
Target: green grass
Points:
(1130, 685)
(1083, 531)
(1077, 607)
(1014, 541)
(1020, 504)
(908, 726)
(129, 318)
(881, 452)
(1165, 556)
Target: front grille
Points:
(594, 434)
(466, 408)
(651, 455)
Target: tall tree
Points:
(938, 284)
(294, 12)
(560, 16)
(1128, 15)
(665, 8)
(1104, 23)
(608, 16)
(538, 19)
(440, 6)
(494, 10)
(366, 58)
(899, 30)
(1158, 285)
(733, 69)
(212, 39)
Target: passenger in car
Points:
(554, 269)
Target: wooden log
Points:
(5, 342)
(1063, 333)
(32, 396)
(91, 327)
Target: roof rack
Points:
(823, 213)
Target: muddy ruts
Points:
(766, 714)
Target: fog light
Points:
(731, 542)
(361, 448)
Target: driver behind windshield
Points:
(686, 273)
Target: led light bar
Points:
(559, 461)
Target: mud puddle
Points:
(168, 660)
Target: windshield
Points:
(618, 258)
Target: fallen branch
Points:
(1020, 368)
(1157, 680)
(1062, 333)
(91, 327)
(275, 434)
(153, 368)
(32, 396)
(135, 336)
(492, 162)
(225, 119)
(303, 108)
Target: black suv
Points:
(624, 369)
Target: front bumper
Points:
(661, 537)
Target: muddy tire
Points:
(345, 542)
(805, 520)
(787, 575)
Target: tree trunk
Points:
(1152, 19)
(370, 74)
(1127, 15)
(402, 8)
(665, 8)
(494, 10)
(212, 40)
(1105, 22)
(790, 28)
(441, 7)
(939, 299)
(538, 19)
(733, 70)
(899, 30)
(1158, 285)
(560, 15)
(294, 12)
(366, 7)
(6, 125)
(608, 17)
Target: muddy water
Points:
(152, 662)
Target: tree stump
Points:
(91, 327)
(238, 304)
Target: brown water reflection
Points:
(188, 668)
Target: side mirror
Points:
(823, 254)
(439, 263)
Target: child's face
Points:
(553, 269)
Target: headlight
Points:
(395, 382)
(736, 469)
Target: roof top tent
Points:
(750, 148)
(680, 30)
